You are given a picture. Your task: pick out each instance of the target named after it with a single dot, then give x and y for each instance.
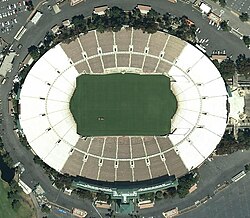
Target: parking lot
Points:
(13, 13)
(239, 5)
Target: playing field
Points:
(123, 104)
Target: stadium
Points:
(83, 115)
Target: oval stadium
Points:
(123, 106)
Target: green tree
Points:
(224, 26)
(227, 68)
(243, 65)
(246, 40)
(34, 52)
(116, 18)
(15, 204)
(159, 195)
(185, 183)
(45, 208)
(222, 3)
(244, 17)
(80, 24)
(101, 196)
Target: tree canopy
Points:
(243, 65)
(244, 17)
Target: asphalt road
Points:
(215, 172)
(211, 174)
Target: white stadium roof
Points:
(197, 126)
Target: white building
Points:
(36, 17)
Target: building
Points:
(146, 204)
(55, 29)
(7, 63)
(79, 213)
(173, 1)
(205, 8)
(20, 33)
(75, 2)
(100, 10)
(214, 18)
(66, 23)
(219, 57)
(144, 9)
(36, 17)
(171, 213)
(56, 8)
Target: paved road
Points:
(34, 174)
(231, 15)
(219, 40)
(212, 174)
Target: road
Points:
(211, 174)
(232, 16)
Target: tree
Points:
(227, 68)
(185, 183)
(243, 65)
(15, 204)
(159, 195)
(246, 40)
(80, 24)
(34, 52)
(244, 17)
(101, 196)
(45, 208)
(222, 3)
(224, 26)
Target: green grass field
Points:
(6, 210)
(123, 104)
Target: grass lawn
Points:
(123, 104)
(6, 210)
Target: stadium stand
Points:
(157, 43)
(107, 171)
(173, 48)
(123, 39)
(124, 172)
(137, 60)
(73, 51)
(96, 146)
(123, 148)
(109, 61)
(96, 65)
(151, 146)
(140, 41)
(149, 64)
(82, 67)
(83, 144)
(122, 60)
(110, 147)
(141, 171)
(164, 143)
(74, 163)
(106, 41)
(89, 43)
(137, 147)
(195, 82)
(90, 168)
(163, 67)
(157, 167)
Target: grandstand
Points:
(196, 128)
